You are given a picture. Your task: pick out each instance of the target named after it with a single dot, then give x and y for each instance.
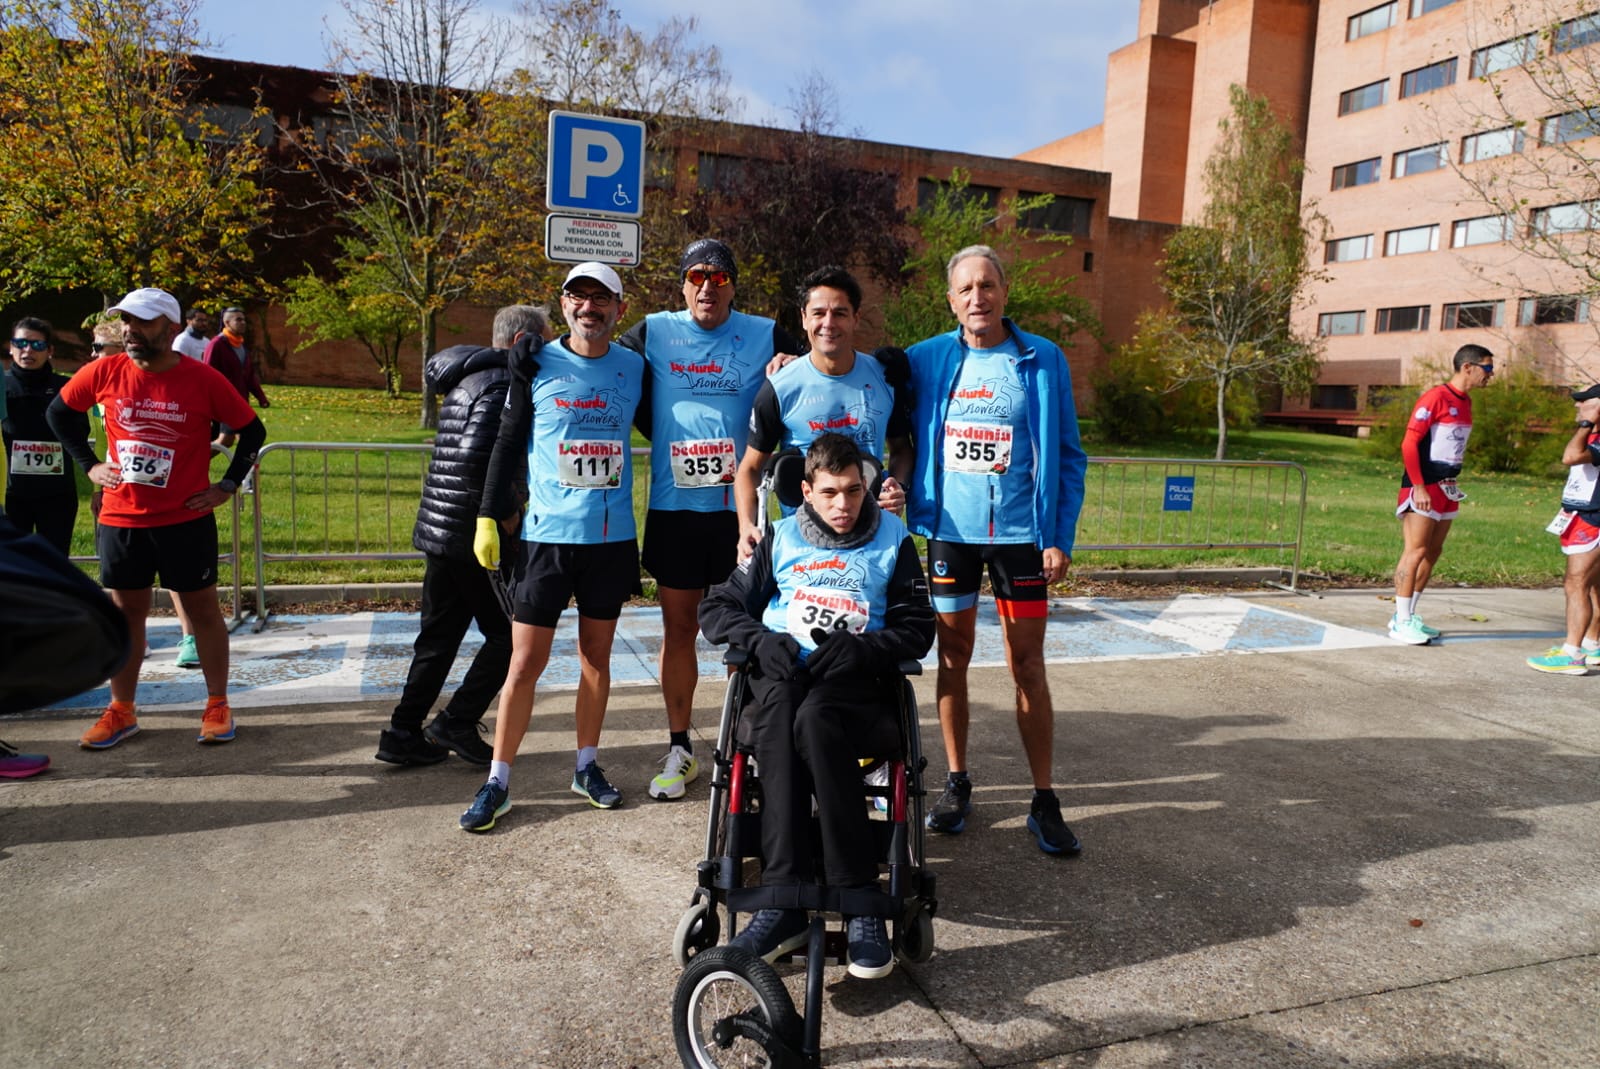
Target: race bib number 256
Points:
(141, 462)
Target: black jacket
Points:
(732, 611)
(28, 394)
(472, 383)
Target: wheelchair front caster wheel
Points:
(731, 1009)
(698, 930)
(914, 936)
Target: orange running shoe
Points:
(217, 723)
(114, 725)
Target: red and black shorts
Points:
(1016, 571)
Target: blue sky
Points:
(989, 77)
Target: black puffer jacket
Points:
(472, 384)
(28, 393)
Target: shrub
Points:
(1135, 400)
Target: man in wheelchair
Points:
(832, 599)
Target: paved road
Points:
(1372, 856)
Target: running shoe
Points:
(493, 802)
(1431, 632)
(188, 656)
(590, 782)
(949, 813)
(216, 724)
(1591, 656)
(868, 955)
(15, 765)
(465, 740)
(1410, 632)
(1044, 820)
(400, 747)
(1557, 661)
(678, 770)
(113, 726)
(773, 932)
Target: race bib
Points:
(144, 463)
(827, 608)
(703, 462)
(1449, 444)
(1563, 520)
(977, 448)
(1451, 490)
(1580, 483)
(37, 458)
(590, 464)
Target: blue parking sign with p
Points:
(596, 165)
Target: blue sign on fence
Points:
(596, 165)
(1180, 494)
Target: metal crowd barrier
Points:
(1133, 503)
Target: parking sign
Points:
(596, 165)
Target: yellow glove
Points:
(486, 543)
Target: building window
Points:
(1064, 215)
(1505, 55)
(1421, 160)
(1542, 311)
(225, 124)
(1402, 320)
(1484, 230)
(1571, 126)
(1360, 173)
(1342, 397)
(1346, 249)
(1468, 314)
(1566, 218)
(1333, 324)
(1491, 143)
(1371, 21)
(1420, 8)
(660, 168)
(1410, 240)
(1363, 97)
(720, 173)
(1427, 79)
(1575, 33)
(928, 189)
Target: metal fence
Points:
(1133, 503)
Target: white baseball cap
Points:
(150, 303)
(600, 273)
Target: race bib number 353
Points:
(141, 462)
(703, 462)
(977, 448)
(590, 464)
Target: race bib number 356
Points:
(144, 463)
(829, 609)
(977, 448)
(590, 464)
(703, 462)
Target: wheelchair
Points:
(730, 1007)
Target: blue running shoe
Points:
(773, 932)
(590, 782)
(869, 954)
(949, 813)
(1044, 820)
(493, 801)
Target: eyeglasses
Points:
(598, 298)
(99, 346)
(38, 345)
(716, 278)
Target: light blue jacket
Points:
(1059, 459)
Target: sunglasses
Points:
(38, 345)
(99, 346)
(716, 278)
(1487, 369)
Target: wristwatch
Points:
(232, 487)
(1586, 423)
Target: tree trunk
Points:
(430, 403)
(1222, 418)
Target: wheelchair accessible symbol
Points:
(620, 198)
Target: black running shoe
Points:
(590, 782)
(464, 740)
(772, 932)
(949, 813)
(1044, 820)
(400, 747)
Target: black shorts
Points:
(955, 574)
(183, 554)
(686, 550)
(602, 577)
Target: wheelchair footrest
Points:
(849, 901)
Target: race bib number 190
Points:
(703, 462)
(590, 464)
(36, 458)
(144, 463)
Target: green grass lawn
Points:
(1350, 535)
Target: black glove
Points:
(776, 656)
(839, 654)
(525, 351)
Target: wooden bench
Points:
(1344, 421)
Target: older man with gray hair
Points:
(995, 479)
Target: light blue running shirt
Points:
(986, 453)
(857, 404)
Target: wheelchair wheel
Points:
(698, 930)
(731, 1009)
(913, 935)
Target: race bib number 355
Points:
(827, 608)
(590, 464)
(703, 462)
(144, 463)
(977, 448)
